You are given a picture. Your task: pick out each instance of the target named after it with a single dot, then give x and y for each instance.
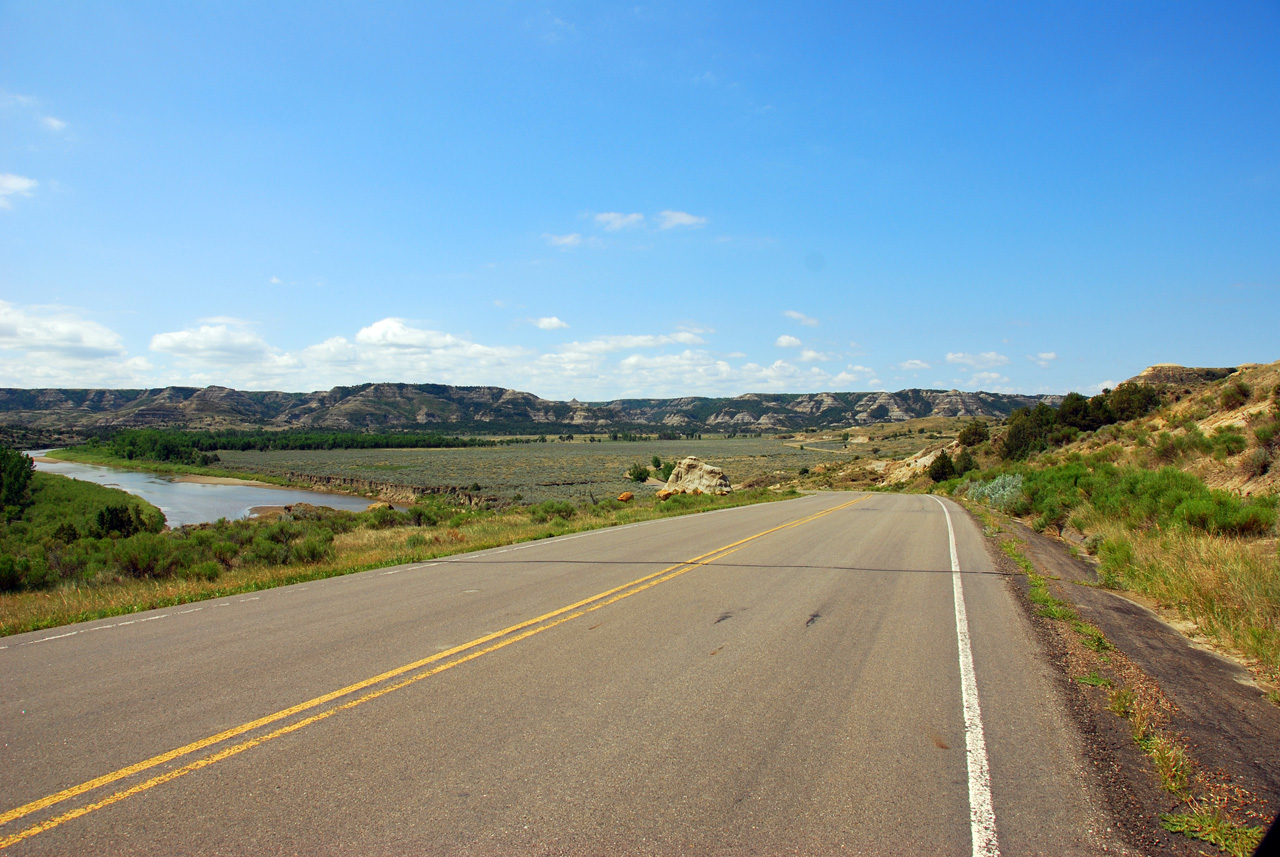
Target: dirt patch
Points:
(1205, 704)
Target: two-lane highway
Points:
(785, 678)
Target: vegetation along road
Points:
(807, 676)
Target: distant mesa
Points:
(480, 410)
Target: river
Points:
(195, 502)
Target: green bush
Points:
(1256, 463)
(638, 472)
(1227, 441)
(316, 547)
(544, 512)
(1004, 492)
(974, 433)
(145, 555)
(15, 478)
(942, 468)
(1235, 395)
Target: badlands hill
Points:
(396, 407)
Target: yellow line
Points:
(604, 599)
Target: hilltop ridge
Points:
(398, 406)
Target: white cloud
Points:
(985, 360)
(220, 342)
(564, 242)
(801, 317)
(56, 331)
(52, 123)
(550, 323)
(50, 346)
(672, 219)
(613, 220)
(913, 365)
(1043, 359)
(14, 185)
(275, 281)
(606, 344)
(56, 347)
(786, 341)
(992, 382)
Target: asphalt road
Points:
(783, 678)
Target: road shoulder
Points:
(1141, 694)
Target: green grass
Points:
(1213, 827)
(1094, 680)
(149, 571)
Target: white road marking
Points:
(982, 816)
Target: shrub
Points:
(638, 472)
(942, 468)
(1227, 441)
(384, 517)
(1235, 395)
(1256, 463)
(964, 462)
(544, 512)
(15, 477)
(316, 547)
(974, 433)
(1266, 434)
(1003, 492)
(207, 570)
(1132, 400)
(145, 555)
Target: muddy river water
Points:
(195, 502)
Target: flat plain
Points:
(536, 472)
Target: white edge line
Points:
(982, 816)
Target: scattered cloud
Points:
(672, 219)
(913, 365)
(785, 341)
(275, 281)
(57, 332)
(807, 321)
(52, 123)
(564, 242)
(613, 220)
(985, 360)
(224, 340)
(60, 347)
(54, 346)
(808, 355)
(14, 185)
(1043, 359)
(992, 382)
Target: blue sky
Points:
(603, 200)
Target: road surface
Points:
(794, 677)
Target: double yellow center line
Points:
(368, 689)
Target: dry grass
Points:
(1230, 588)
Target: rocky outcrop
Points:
(1180, 376)
(693, 476)
(390, 491)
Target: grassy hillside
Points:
(1179, 505)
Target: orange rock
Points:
(626, 497)
(664, 494)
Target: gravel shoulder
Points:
(1209, 703)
